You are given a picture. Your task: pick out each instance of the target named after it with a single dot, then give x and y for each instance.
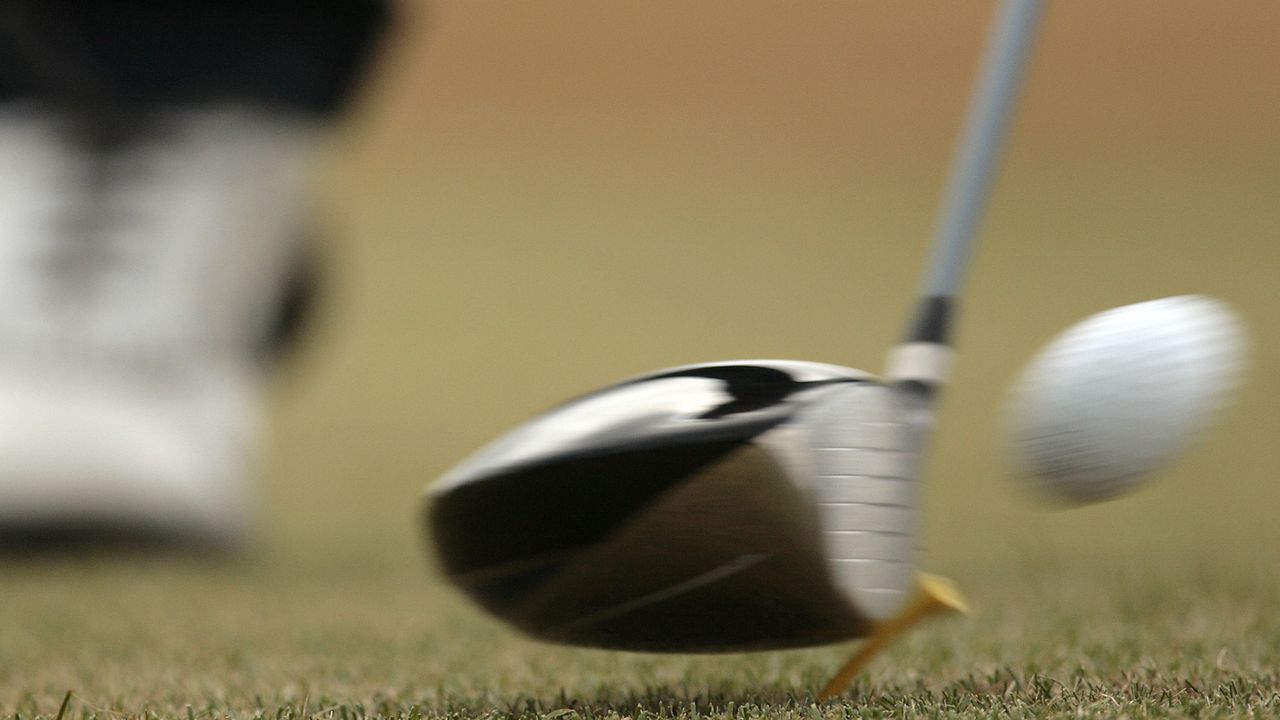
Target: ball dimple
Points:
(1118, 395)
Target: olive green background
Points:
(535, 199)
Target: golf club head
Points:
(718, 507)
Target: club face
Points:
(687, 510)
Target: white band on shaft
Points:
(925, 362)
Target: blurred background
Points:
(536, 200)
(532, 200)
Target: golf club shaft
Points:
(922, 358)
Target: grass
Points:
(373, 636)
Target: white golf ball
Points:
(1120, 394)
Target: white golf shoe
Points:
(137, 281)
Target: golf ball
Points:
(1120, 394)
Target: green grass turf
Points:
(365, 636)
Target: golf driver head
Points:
(707, 508)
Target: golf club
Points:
(733, 506)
